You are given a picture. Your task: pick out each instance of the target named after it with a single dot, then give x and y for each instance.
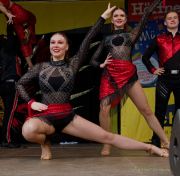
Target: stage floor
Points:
(80, 160)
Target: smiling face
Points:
(58, 46)
(119, 19)
(172, 20)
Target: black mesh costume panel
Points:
(120, 43)
(56, 78)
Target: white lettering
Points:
(140, 8)
(137, 8)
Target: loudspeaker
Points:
(174, 152)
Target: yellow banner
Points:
(57, 16)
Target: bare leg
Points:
(104, 119)
(35, 130)
(82, 128)
(46, 150)
(137, 95)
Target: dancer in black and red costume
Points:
(167, 46)
(54, 113)
(119, 74)
(23, 22)
(10, 72)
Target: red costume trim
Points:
(6, 3)
(24, 17)
(116, 76)
(153, 70)
(52, 109)
(168, 46)
(11, 117)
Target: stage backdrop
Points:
(57, 16)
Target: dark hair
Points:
(119, 8)
(63, 34)
(68, 42)
(171, 11)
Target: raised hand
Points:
(10, 18)
(107, 13)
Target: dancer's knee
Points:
(104, 110)
(146, 111)
(28, 131)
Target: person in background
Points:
(23, 22)
(10, 72)
(167, 46)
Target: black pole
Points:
(119, 118)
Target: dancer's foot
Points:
(46, 151)
(106, 150)
(165, 145)
(153, 150)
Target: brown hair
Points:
(68, 42)
(171, 11)
(119, 8)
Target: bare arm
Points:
(7, 13)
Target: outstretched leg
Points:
(35, 130)
(83, 128)
(137, 95)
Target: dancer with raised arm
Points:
(119, 75)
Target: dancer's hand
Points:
(10, 18)
(159, 71)
(107, 13)
(38, 106)
(106, 62)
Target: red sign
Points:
(136, 8)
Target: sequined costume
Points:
(23, 20)
(168, 49)
(56, 80)
(118, 76)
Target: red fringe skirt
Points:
(115, 80)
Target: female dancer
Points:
(23, 22)
(54, 113)
(119, 74)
